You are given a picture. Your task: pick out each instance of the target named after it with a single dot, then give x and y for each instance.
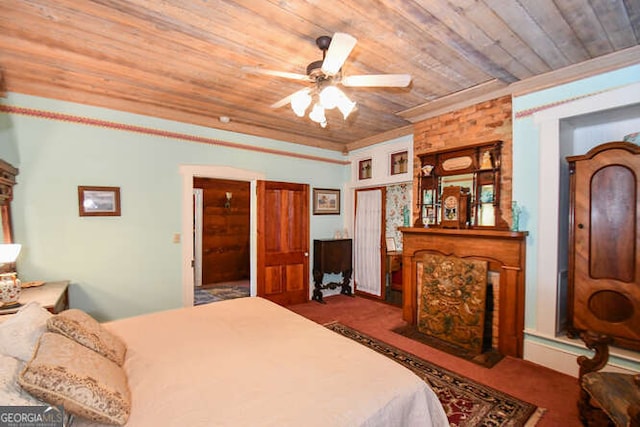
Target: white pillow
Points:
(82, 328)
(11, 394)
(20, 333)
(64, 372)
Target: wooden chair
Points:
(606, 398)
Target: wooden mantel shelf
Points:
(505, 251)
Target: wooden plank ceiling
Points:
(183, 60)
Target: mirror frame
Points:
(7, 181)
(482, 161)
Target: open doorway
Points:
(189, 172)
(222, 221)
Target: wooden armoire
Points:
(604, 245)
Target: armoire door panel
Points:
(613, 231)
(604, 246)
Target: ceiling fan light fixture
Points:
(346, 106)
(317, 114)
(330, 97)
(300, 101)
(326, 75)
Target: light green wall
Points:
(127, 265)
(527, 162)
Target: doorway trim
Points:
(188, 172)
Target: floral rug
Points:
(466, 402)
(219, 293)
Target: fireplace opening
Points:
(487, 336)
(457, 309)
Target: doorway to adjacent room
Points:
(222, 219)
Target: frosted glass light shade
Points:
(346, 106)
(330, 97)
(300, 102)
(317, 115)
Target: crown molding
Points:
(494, 89)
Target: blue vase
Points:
(515, 216)
(405, 214)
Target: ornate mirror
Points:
(460, 188)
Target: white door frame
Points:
(188, 172)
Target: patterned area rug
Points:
(466, 402)
(219, 293)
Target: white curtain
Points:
(367, 236)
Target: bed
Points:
(250, 362)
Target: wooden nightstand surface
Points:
(54, 296)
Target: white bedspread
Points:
(250, 362)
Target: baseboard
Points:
(562, 356)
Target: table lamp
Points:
(9, 282)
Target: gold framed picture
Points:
(99, 201)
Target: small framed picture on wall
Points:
(399, 162)
(326, 201)
(98, 201)
(364, 169)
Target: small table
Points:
(332, 256)
(53, 296)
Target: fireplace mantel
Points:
(505, 252)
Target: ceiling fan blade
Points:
(377, 80)
(283, 74)
(287, 99)
(341, 46)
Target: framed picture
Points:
(399, 162)
(391, 244)
(326, 202)
(364, 169)
(99, 201)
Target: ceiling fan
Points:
(326, 75)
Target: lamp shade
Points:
(9, 252)
(300, 101)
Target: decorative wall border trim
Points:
(532, 111)
(12, 109)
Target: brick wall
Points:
(484, 122)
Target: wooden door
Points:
(604, 261)
(283, 242)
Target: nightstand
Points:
(53, 296)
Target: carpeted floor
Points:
(466, 402)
